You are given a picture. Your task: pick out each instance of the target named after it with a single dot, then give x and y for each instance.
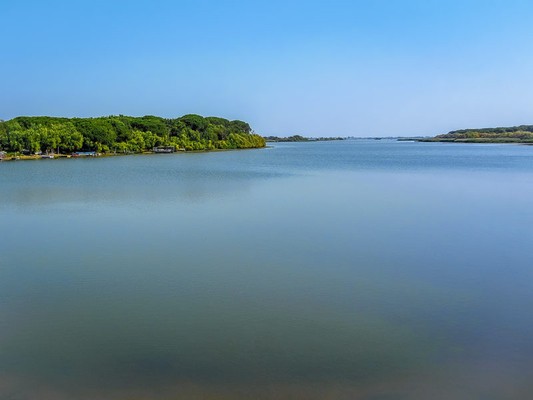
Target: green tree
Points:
(4, 139)
(123, 133)
(240, 127)
(51, 137)
(16, 140)
(69, 138)
(194, 122)
(32, 140)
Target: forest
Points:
(124, 134)
(513, 134)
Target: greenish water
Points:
(341, 270)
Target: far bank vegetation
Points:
(124, 134)
(299, 138)
(513, 134)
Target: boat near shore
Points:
(164, 149)
(85, 154)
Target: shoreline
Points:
(10, 157)
(472, 141)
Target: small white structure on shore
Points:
(164, 149)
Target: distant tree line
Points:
(522, 133)
(497, 131)
(124, 134)
(299, 138)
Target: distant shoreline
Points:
(54, 156)
(520, 134)
(299, 138)
(479, 141)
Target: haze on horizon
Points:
(316, 68)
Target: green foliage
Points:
(3, 135)
(194, 122)
(299, 138)
(70, 139)
(293, 138)
(522, 133)
(97, 132)
(240, 127)
(124, 134)
(148, 123)
(513, 134)
(495, 131)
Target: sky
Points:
(315, 68)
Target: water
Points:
(340, 270)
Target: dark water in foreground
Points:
(342, 270)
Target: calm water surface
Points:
(332, 270)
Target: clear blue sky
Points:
(362, 68)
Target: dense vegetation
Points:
(298, 138)
(513, 134)
(123, 134)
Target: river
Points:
(327, 270)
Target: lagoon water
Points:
(328, 270)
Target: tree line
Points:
(521, 133)
(299, 138)
(499, 130)
(124, 134)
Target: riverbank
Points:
(12, 157)
(522, 134)
(298, 138)
(23, 157)
(475, 140)
(123, 134)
